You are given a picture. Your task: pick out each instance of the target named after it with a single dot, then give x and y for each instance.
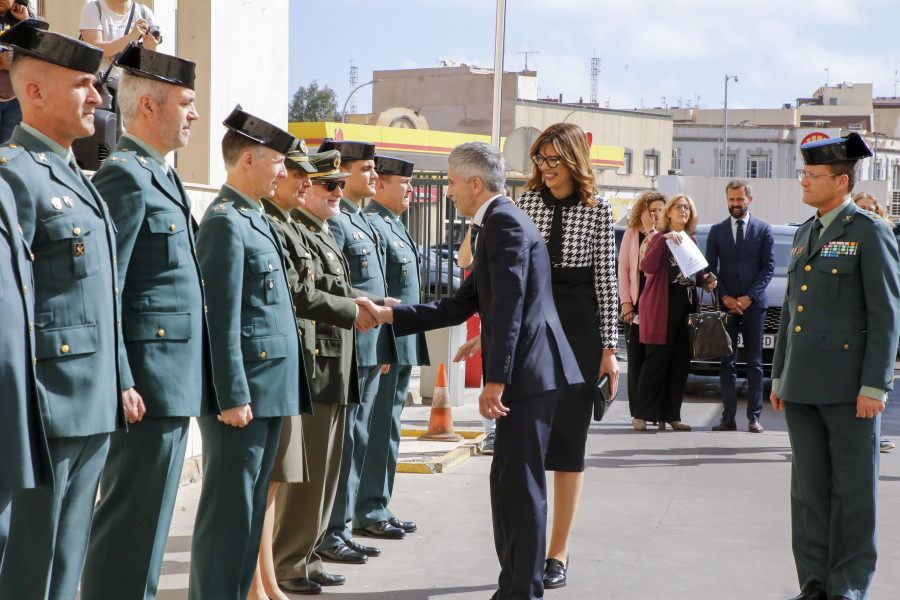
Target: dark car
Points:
(439, 276)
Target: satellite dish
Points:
(517, 149)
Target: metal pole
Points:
(344, 110)
(498, 72)
(725, 132)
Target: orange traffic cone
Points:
(440, 424)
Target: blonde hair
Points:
(571, 143)
(879, 209)
(691, 226)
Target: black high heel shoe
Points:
(555, 573)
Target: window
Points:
(895, 175)
(879, 169)
(894, 208)
(729, 166)
(759, 166)
(625, 169)
(651, 164)
(676, 159)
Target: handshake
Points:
(371, 315)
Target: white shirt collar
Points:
(478, 219)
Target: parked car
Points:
(439, 275)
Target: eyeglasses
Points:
(331, 184)
(804, 174)
(683, 207)
(552, 161)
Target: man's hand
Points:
(5, 60)
(238, 416)
(609, 364)
(468, 349)
(140, 28)
(19, 11)
(777, 403)
(390, 302)
(867, 408)
(382, 314)
(732, 304)
(134, 405)
(385, 369)
(365, 320)
(489, 403)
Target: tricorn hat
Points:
(349, 150)
(385, 165)
(298, 158)
(139, 61)
(328, 165)
(259, 131)
(30, 37)
(832, 150)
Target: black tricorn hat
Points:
(832, 150)
(139, 61)
(261, 132)
(298, 158)
(353, 150)
(385, 165)
(30, 37)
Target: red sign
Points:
(814, 137)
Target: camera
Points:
(154, 30)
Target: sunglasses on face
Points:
(331, 184)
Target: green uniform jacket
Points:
(255, 341)
(359, 244)
(841, 315)
(77, 339)
(163, 321)
(23, 444)
(402, 275)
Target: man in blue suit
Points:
(527, 360)
(163, 322)
(741, 252)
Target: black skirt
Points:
(576, 303)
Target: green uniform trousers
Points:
(237, 462)
(377, 482)
(49, 531)
(302, 510)
(834, 486)
(132, 519)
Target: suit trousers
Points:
(377, 483)
(302, 510)
(49, 531)
(237, 462)
(635, 351)
(519, 494)
(750, 324)
(356, 440)
(132, 519)
(834, 487)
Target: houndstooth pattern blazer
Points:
(588, 241)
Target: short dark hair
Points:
(234, 144)
(736, 184)
(850, 168)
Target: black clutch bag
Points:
(603, 397)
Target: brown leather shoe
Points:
(754, 427)
(725, 425)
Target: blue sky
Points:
(649, 49)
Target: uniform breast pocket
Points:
(834, 275)
(266, 282)
(401, 269)
(362, 260)
(74, 249)
(168, 240)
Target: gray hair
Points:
(736, 184)
(132, 87)
(478, 159)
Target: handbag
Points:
(709, 338)
(603, 397)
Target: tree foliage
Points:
(312, 103)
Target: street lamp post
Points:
(725, 126)
(344, 110)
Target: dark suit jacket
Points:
(746, 272)
(522, 340)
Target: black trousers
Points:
(519, 495)
(636, 353)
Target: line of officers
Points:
(120, 320)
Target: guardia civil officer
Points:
(68, 227)
(258, 370)
(163, 325)
(359, 243)
(834, 363)
(372, 516)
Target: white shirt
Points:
(734, 227)
(110, 24)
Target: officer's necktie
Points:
(739, 238)
(814, 235)
(476, 229)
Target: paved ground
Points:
(671, 516)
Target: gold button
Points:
(271, 267)
(119, 322)
(65, 348)
(13, 146)
(797, 328)
(262, 354)
(808, 268)
(338, 271)
(364, 250)
(35, 361)
(317, 350)
(834, 271)
(31, 326)
(161, 332)
(114, 259)
(800, 308)
(846, 346)
(117, 291)
(77, 231)
(205, 309)
(313, 322)
(172, 227)
(803, 288)
(203, 282)
(25, 288)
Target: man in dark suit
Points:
(741, 252)
(527, 361)
(833, 366)
(77, 339)
(163, 325)
(258, 369)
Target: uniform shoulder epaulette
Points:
(8, 152)
(220, 207)
(345, 210)
(874, 216)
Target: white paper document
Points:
(688, 256)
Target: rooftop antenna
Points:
(595, 79)
(354, 81)
(526, 53)
(827, 70)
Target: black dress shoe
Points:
(343, 553)
(381, 529)
(364, 550)
(555, 573)
(753, 426)
(407, 526)
(813, 592)
(725, 425)
(300, 585)
(328, 579)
